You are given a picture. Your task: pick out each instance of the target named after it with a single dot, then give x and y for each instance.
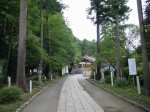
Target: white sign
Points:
(67, 69)
(35, 70)
(63, 71)
(132, 66)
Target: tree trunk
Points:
(49, 45)
(144, 51)
(21, 81)
(117, 47)
(41, 27)
(98, 47)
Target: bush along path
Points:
(13, 99)
(128, 93)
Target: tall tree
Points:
(50, 7)
(120, 10)
(109, 11)
(98, 7)
(41, 26)
(21, 81)
(144, 50)
(62, 53)
(8, 33)
(147, 26)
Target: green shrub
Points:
(10, 94)
(108, 79)
(107, 72)
(35, 83)
(3, 109)
(125, 72)
(120, 82)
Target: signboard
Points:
(132, 66)
(35, 70)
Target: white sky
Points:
(81, 26)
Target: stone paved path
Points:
(73, 98)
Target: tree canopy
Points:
(64, 45)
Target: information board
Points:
(132, 66)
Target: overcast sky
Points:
(81, 26)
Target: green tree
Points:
(50, 8)
(98, 7)
(109, 11)
(62, 53)
(8, 33)
(87, 47)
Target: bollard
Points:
(138, 85)
(51, 76)
(102, 75)
(9, 81)
(112, 83)
(30, 86)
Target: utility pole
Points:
(144, 50)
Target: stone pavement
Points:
(73, 98)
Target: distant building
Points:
(86, 61)
(86, 64)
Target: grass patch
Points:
(129, 92)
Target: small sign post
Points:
(132, 67)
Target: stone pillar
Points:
(102, 74)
